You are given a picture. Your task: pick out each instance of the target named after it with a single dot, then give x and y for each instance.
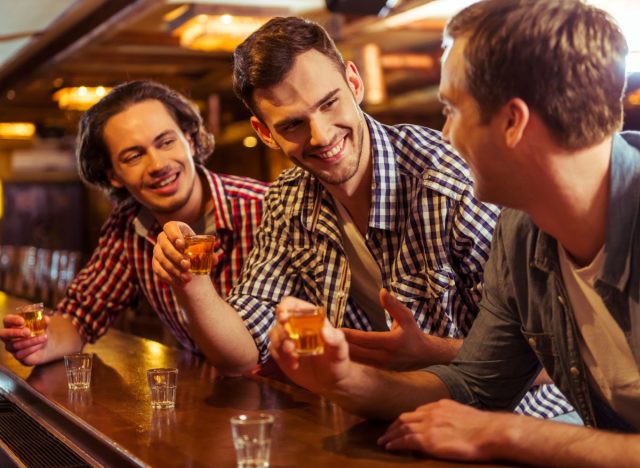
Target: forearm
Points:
(63, 338)
(216, 328)
(540, 442)
(381, 394)
(440, 350)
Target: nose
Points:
(156, 162)
(319, 129)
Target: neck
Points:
(572, 205)
(355, 194)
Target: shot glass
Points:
(252, 439)
(304, 325)
(199, 249)
(33, 315)
(162, 387)
(78, 370)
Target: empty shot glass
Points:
(163, 384)
(252, 439)
(78, 370)
(33, 315)
(200, 249)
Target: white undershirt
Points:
(603, 346)
(366, 279)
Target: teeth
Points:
(333, 151)
(166, 182)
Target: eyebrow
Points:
(318, 103)
(158, 137)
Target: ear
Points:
(113, 179)
(516, 119)
(354, 80)
(263, 133)
(192, 147)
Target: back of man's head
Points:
(92, 153)
(267, 55)
(564, 58)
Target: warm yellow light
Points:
(80, 98)
(1, 201)
(217, 32)
(250, 141)
(17, 130)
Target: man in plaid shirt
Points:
(145, 145)
(368, 207)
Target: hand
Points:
(169, 261)
(317, 373)
(17, 339)
(404, 347)
(447, 429)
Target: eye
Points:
(132, 157)
(291, 126)
(329, 104)
(166, 143)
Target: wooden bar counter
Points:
(309, 431)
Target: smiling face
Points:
(313, 116)
(152, 159)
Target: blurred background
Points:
(57, 57)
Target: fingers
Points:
(282, 348)
(400, 313)
(396, 435)
(367, 339)
(169, 263)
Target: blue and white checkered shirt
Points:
(428, 234)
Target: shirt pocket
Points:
(421, 285)
(306, 267)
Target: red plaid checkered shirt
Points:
(119, 269)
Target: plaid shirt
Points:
(120, 267)
(428, 234)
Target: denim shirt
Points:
(526, 320)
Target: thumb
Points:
(398, 311)
(335, 343)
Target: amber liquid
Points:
(34, 321)
(304, 330)
(199, 249)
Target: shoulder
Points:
(515, 229)
(240, 187)
(421, 150)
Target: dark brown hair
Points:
(91, 150)
(267, 55)
(564, 58)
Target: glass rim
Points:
(242, 419)
(78, 355)
(39, 305)
(164, 370)
(201, 236)
(306, 310)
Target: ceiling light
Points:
(220, 33)
(17, 130)
(79, 98)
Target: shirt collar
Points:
(385, 182)
(622, 215)
(218, 217)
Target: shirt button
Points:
(574, 371)
(532, 342)
(561, 300)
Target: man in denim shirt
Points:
(532, 93)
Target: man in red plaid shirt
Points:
(145, 145)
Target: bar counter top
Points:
(309, 431)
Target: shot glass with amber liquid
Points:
(33, 315)
(200, 250)
(304, 325)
